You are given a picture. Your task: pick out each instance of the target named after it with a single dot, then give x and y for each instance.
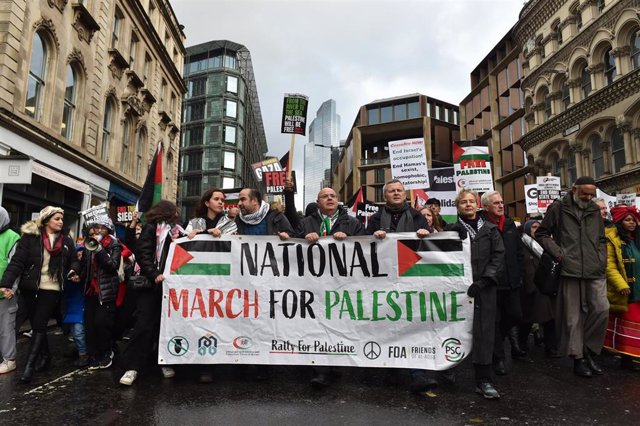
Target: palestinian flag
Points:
(199, 257)
(152, 188)
(352, 204)
(470, 153)
(420, 198)
(430, 257)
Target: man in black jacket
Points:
(508, 308)
(256, 218)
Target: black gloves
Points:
(475, 287)
(459, 228)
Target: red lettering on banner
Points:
(215, 297)
(230, 313)
(198, 303)
(175, 302)
(220, 303)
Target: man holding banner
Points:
(256, 218)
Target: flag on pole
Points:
(352, 204)
(152, 188)
(420, 198)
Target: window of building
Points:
(215, 62)
(192, 161)
(600, 6)
(555, 164)
(585, 82)
(115, 30)
(37, 74)
(437, 112)
(197, 87)
(597, 157)
(446, 115)
(124, 149)
(172, 105)
(558, 30)
(566, 96)
(617, 150)
(386, 114)
(140, 149)
(374, 116)
(578, 20)
(228, 182)
(609, 67)
(635, 49)
(69, 108)
(193, 136)
(232, 84)
(133, 47)
(541, 48)
(107, 124)
(146, 68)
(547, 103)
(379, 176)
(230, 134)
(195, 110)
(400, 112)
(192, 184)
(379, 194)
(429, 106)
(571, 167)
(163, 95)
(231, 109)
(229, 61)
(229, 161)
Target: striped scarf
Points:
(327, 223)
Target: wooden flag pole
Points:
(412, 202)
(290, 163)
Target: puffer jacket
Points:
(344, 223)
(107, 263)
(578, 240)
(26, 262)
(616, 273)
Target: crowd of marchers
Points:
(112, 324)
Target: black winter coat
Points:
(344, 223)
(512, 273)
(107, 263)
(26, 262)
(276, 222)
(419, 221)
(146, 253)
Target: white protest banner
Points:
(409, 163)
(92, 214)
(472, 168)
(548, 191)
(397, 302)
(609, 199)
(531, 198)
(443, 188)
(626, 199)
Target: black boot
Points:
(34, 350)
(580, 368)
(517, 353)
(591, 362)
(44, 359)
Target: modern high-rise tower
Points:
(324, 133)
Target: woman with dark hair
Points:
(44, 256)
(210, 217)
(151, 253)
(623, 285)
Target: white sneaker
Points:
(168, 372)
(7, 365)
(128, 377)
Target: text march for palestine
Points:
(396, 302)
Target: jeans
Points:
(77, 331)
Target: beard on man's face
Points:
(580, 203)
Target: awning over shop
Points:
(122, 194)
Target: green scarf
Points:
(326, 223)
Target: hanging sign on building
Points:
(548, 191)
(294, 114)
(409, 163)
(472, 168)
(531, 198)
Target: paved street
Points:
(542, 393)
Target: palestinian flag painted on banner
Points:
(195, 258)
(152, 188)
(430, 257)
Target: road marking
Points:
(51, 383)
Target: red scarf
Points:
(496, 220)
(57, 244)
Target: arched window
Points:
(107, 125)
(140, 150)
(609, 67)
(544, 97)
(571, 167)
(37, 74)
(69, 108)
(124, 150)
(597, 157)
(635, 49)
(585, 82)
(566, 96)
(555, 166)
(617, 150)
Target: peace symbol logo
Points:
(372, 350)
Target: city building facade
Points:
(581, 80)
(223, 132)
(364, 160)
(493, 112)
(324, 135)
(88, 91)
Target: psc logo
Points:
(453, 349)
(207, 345)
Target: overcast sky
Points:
(352, 51)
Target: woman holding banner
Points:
(44, 256)
(151, 250)
(210, 216)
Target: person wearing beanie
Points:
(8, 303)
(44, 256)
(623, 286)
(572, 231)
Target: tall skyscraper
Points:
(223, 131)
(324, 133)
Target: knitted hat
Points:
(104, 221)
(618, 213)
(46, 214)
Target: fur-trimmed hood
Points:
(30, 228)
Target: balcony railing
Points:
(371, 161)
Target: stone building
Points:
(88, 89)
(581, 84)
